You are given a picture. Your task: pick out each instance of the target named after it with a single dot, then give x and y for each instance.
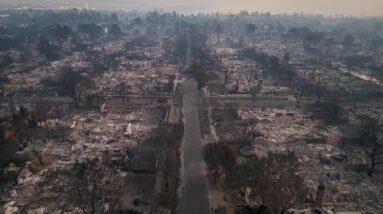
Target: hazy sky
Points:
(326, 7)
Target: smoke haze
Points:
(325, 7)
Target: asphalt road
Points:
(195, 190)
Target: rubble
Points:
(287, 125)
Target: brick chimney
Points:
(320, 193)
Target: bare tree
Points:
(299, 88)
(181, 46)
(218, 28)
(142, 86)
(254, 91)
(250, 29)
(332, 112)
(316, 86)
(298, 94)
(219, 158)
(266, 185)
(100, 186)
(166, 45)
(375, 153)
(74, 83)
(286, 57)
(199, 73)
(251, 72)
(122, 90)
(370, 131)
(60, 33)
(227, 72)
